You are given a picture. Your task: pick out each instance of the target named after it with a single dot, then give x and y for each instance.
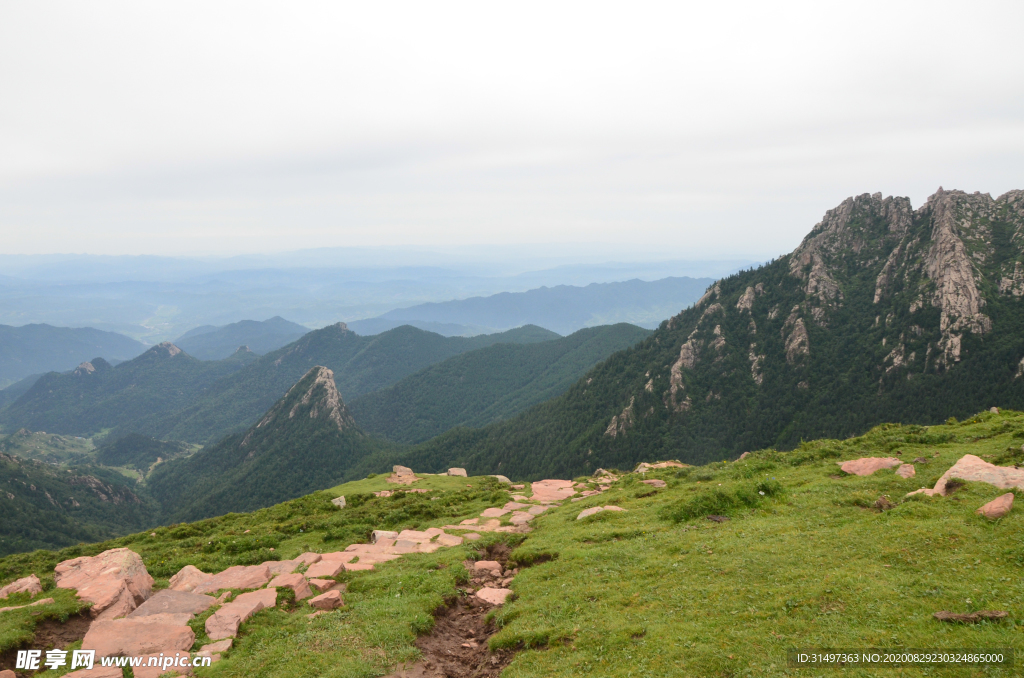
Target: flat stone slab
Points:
(654, 482)
(537, 510)
(96, 671)
(449, 540)
(172, 602)
(282, 566)
(224, 622)
(294, 581)
(866, 466)
(358, 567)
(219, 646)
(326, 568)
(494, 512)
(493, 596)
(976, 469)
(340, 556)
(29, 585)
(321, 585)
(552, 490)
(152, 634)
(236, 577)
(309, 558)
(115, 581)
(998, 507)
(594, 510)
(906, 471)
(521, 517)
(188, 578)
(492, 566)
(516, 506)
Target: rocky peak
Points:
(165, 350)
(84, 369)
(314, 396)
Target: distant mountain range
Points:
(486, 385)
(33, 349)
(563, 309)
(215, 343)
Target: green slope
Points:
(656, 590)
(482, 386)
(882, 313)
(46, 506)
(96, 396)
(360, 365)
(307, 441)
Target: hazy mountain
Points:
(883, 313)
(138, 451)
(97, 396)
(31, 349)
(305, 442)
(563, 309)
(360, 365)
(214, 343)
(482, 386)
(17, 389)
(45, 506)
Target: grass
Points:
(657, 590)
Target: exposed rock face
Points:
(236, 577)
(29, 585)
(296, 582)
(317, 392)
(331, 600)
(866, 466)
(169, 601)
(115, 581)
(461, 472)
(188, 578)
(167, 633)
(975, 469)
(225, 622)
(621, 422)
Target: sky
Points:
(671, 130)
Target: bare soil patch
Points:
(50, 634)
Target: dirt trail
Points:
(50, 634)
(457, 645)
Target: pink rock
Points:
(326, 568)
(516, 506)
(96, 671)
(188, 578)
(358, 567)
(414, 536)
(331, 600)
(281, 566)
(998, 507)
(743, 456)
(518, 487)
(865, 466)
(236, 577)
(471, 536)
(493, 596)
(449, 540)
(309, 558)
(613, 508)
(7, 673)
(519, 497)
(157, 670)
(321, 584)
(224, 622)
(537, 510)
(975, 469)
(169, 601)
(115, 581)
(494, 513)
(492, 566)
(552, 490)
(520, 517)
(339, 556)
(167, 633)
(296, 582)
(219, 646)
(906, 471)
(42, 601)
(586, 513)
(29, 585)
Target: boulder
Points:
(321, 585)
(331, 600)
(491, 566)
(865, 466)
(224, 622)
(326, 568)
(975, 469)
(236, 577)
(461, 472)
(998, 507)
(401, 470)
(296, 582)
(654, 482)
(906, 471)
(29, 585)
(503, 480)
(493, 596)
(994, 410)
(152, 634)
(339, 502)
(170, 601)
(188, 578)
(115, 581)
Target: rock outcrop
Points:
(29, 585)
(115, 581)
(975, 469)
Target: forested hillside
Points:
(96, 396)
(883, 313)
(306, 442)
(479, 387)
(214, 343)
(31, 349)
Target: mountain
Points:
(563, 308)
(47, 506)
(883, 313)
(305, 442)
(482, 386)
(138, 451)
(214, 343)
(360, 365)
(31, 349)
(97, 396)
(17, 389)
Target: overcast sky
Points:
(679, 130)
